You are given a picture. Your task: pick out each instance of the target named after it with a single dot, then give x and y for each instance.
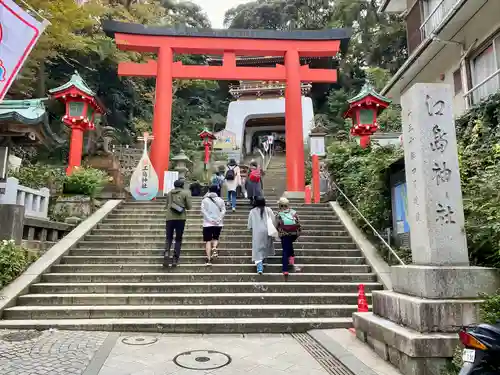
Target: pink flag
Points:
(19, 32)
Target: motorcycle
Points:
(481, 355)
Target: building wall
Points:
(243, 110)
(441, 67)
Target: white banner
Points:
(144, 180)
(168, 181)
(266, 146)
(19, 32)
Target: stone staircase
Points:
(114, 279)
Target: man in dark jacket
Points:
(178, 202)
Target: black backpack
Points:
(230, 175)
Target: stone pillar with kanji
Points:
(415, 324)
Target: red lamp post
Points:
(82, 106)
(208, 140)
(363, 111)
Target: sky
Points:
(217, 8)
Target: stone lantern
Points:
(82, 106)
(363, 110)
(182, 164)
(317, 140)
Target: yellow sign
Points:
(225, 140)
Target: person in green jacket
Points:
(178, 202)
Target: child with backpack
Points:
(254, 182)
(233, 180)
(289, 229)
(217, 180)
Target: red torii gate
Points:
(229, 43)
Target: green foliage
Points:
(362, 175)
(13, 261)
(478, 134)
(85, 181)
(490, 308)
(37, 176)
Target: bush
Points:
(13, 261)
(37, 176)
(490, 308)
(362, 175)
(85, 181)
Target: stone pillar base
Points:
(415, 325)
(412, 352)
(295, 195)
(11, 222)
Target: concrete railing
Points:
(35, 202)
(41, 235)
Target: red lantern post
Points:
(208, 140)
(363, 111)
(82, 106)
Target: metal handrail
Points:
(371, 226)
(428, 18)
(440, 6)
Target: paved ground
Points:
(101, 353)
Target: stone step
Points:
(263, 298)
(232, 216)
(244, 210)
(197, 221)
(174, 311)
(201, 252)
(196, 227)
(196, 231)
(204, 277)
(199, 287)
(186, 259)
(193, 325)
(241, 201)
(190, 236)
(124, 244)
(198, 268)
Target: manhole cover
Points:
(139, 340)
(21, 336)
(202, 360)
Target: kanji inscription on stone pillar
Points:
(435, 206)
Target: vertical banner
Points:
(19, 32)
(168, 181)
(144, 180)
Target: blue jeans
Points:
(231, 198)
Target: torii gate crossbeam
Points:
(228, 43)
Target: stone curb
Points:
(348, 359)
(380, 267)
(19, 286)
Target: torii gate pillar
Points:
(162, 120)
(229, 43)
(293, 125)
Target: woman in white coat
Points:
(232, 180)
(262, 243)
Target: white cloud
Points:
(216, 9)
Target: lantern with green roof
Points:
(82, 109)
(363, 110)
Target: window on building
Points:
(457, 81)
(483, 69)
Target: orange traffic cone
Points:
(362, 302)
